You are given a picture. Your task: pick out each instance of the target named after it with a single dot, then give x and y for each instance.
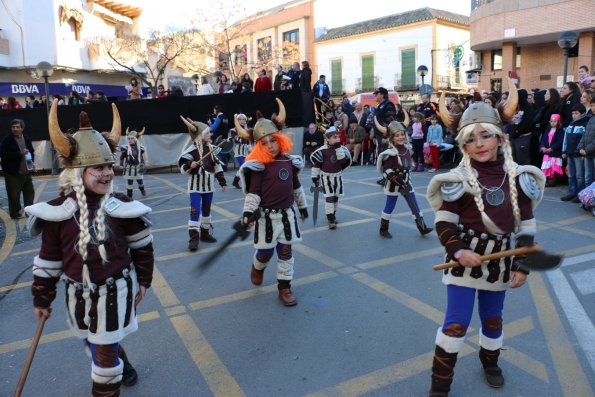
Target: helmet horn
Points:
(141, 132)
(116, 125)
(508, 109)
(241, 130)
(62, 144)
(447, 118)
(281, 116)
(380, 127)
(407, 120)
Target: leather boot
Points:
(493, 373)
(206, 234)
(142, 190)
(236, 182)
(129, 374)
(422, 227)
(129, 192)
(194, 238)
(106, 389)
(442, 372)
(256, 276)
(332, 221)
(285, 294)
(384, 228)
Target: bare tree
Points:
(148, 59)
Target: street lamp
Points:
(566, 41)
(45, 70)
(422, 70)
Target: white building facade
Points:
(387, 52)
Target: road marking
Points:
(572, 378)
(584, 281)
(11, 235)
(401, 258)
(579, 258)
(219, 379)
(162, 290)
(318, 256)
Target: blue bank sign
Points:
(36, 89)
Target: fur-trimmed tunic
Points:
(107, 314)
(133, 162)
(459, 224)
(328, 163)
(202, 178)
(394, 160)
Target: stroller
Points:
(587, 198)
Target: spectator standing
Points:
(223, 85)
(306, 77)
(12, 103)
(205, 88)
(294, 75)
(263, 82)
(434, 140)
(17, 157)
(586, 147)
(427, 108)
(570, 96)
(572, 137)
(134, 90)
(419, 131)
(586, 97)
(247, 80)
(551, 147)
(521, 129)
(161, 93)
(31, 102)
(75, 98)
(278, 78)
(322, 92)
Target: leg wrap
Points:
(205, 221)
(262, 258)
(193, 225)
(284, 251)
(111, 375)
(443, 370)
(490, 343)
(489, 358)
(285, 269)
(329, 207)
(385, 216)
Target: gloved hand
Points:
(517, 262)
(304, 213)
(396, 179)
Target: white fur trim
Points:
(532, 182)
(329, 208)
(317, 154)
(383, 156)
(107, 375)
(490, 343)
(140, 243)
(205, 221)
(53, 213)
(435, 192)
(528, 227)
(385, 216)
(446, 216)
(246, 168)
(251, 202)
(193, 225)
(300, 197)
(47, 269)
(315, 172)
(125, 210)
(285, 269)
(340, 153)
(448, 343)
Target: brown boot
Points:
(206, 234)
(256, 276)
(129, 192)
(285, 294)
(442, 372)
(384, 228)
(422, 227)
(332, 221)
(236, 182)
(493, 373)
(142, 190)
(194, 238)
(106, 389)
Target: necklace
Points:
(403, 160)
(494, 195)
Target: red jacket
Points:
(263, 84)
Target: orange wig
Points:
(261, 154)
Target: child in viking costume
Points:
(395, 164)
(201, 164)
(241, 147)
(479, 205)
(270, 182)
(100, 244)
(132, 160)
(328, 163)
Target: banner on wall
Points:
(37, 89)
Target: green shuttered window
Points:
(407, 69)
(336, 77)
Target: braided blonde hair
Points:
(509, 167)
(129, 149)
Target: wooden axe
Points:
(30, 354)
(535, 259)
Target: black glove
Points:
(304, 212)
(246, 215)
(316, 181)
(517, 263)
(396, 179)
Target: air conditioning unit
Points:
(475, 61)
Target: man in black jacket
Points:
(17, 156)
(384, 109)
(521, 129)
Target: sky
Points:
(329, 13)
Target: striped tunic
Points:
(202, 178)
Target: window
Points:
(240, 54)
(293, 36)
(518, 57)
(408, 72)
(368, 73)
(496, 85)
(497, 60)
(336, 77)
(264, 49)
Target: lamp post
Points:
(45, 70)
(566, 41)
(422, 70)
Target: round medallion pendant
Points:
(333, 158)
(495, 197)
(283, 174)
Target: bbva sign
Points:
(24, 89)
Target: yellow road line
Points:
(220, 300)
(220, 381)
(162, 290)
(318, 256)
(572, 378)
(15, 286)
(525, 362)
(11, 235)
(401, 258)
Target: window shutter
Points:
(336, 77)
(407, 69)
(368, 73)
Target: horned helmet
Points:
(195, 129)
(393, 127)
(134, 134)
(264, 127)
(86, 147)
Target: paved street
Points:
(365, 323)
